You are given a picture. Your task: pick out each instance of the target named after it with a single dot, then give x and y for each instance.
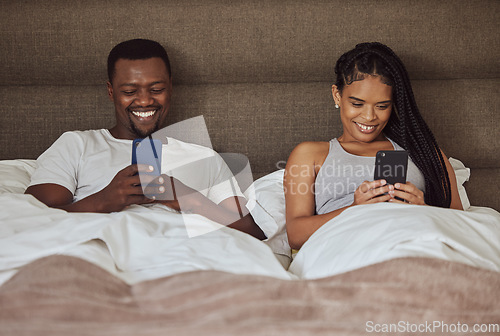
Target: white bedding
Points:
(369, 234)
(136, 244)
(141, 244)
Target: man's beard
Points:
(141, 133)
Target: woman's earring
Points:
(336, 105)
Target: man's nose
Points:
(144, 98)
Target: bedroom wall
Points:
(260, 72)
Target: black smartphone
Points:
(391, 166)
(148, 152)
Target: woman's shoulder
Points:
(312, 147)
(310, 152)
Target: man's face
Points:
(141, 92)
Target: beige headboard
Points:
(260, 72)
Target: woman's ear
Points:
(336, 95)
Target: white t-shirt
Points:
(85, 162)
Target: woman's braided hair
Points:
(406, 126)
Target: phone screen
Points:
(391, 166)
(147, 152)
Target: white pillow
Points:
(266, 202)
(462, 174)
(15, 175)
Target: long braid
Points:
(406, 125)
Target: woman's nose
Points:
(369, 114)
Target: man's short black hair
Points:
(136, 49)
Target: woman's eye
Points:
(357, 104)
(383, 107)
(128, 93)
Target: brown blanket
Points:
(62, 295)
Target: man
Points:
(90, 171)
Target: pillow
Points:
(15, 175)
(266, 202)
(462, 174)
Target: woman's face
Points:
(365, 108)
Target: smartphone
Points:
(147, 152)
(391, 166)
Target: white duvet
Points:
(141, 244)
(369, 234)
(136, 244)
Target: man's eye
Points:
(157, 90)
(128, 93)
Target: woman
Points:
(378, 112)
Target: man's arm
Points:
(246, 223)
(231, 212)
(125, 189)
(122, 191)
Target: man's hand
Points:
(231, 212)
(173, 193)
(124, 190)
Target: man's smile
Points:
(144, 114)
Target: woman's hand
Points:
(372, 192)
(407, 192)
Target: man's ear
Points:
(336, 94)
(110, 90)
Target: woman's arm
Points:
(456, 203)
(300, 174)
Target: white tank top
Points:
(342, 173)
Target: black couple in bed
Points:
(90, 171)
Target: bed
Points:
(259, 75)
(143, 271)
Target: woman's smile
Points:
(367, 129)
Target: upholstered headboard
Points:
(260, 72)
